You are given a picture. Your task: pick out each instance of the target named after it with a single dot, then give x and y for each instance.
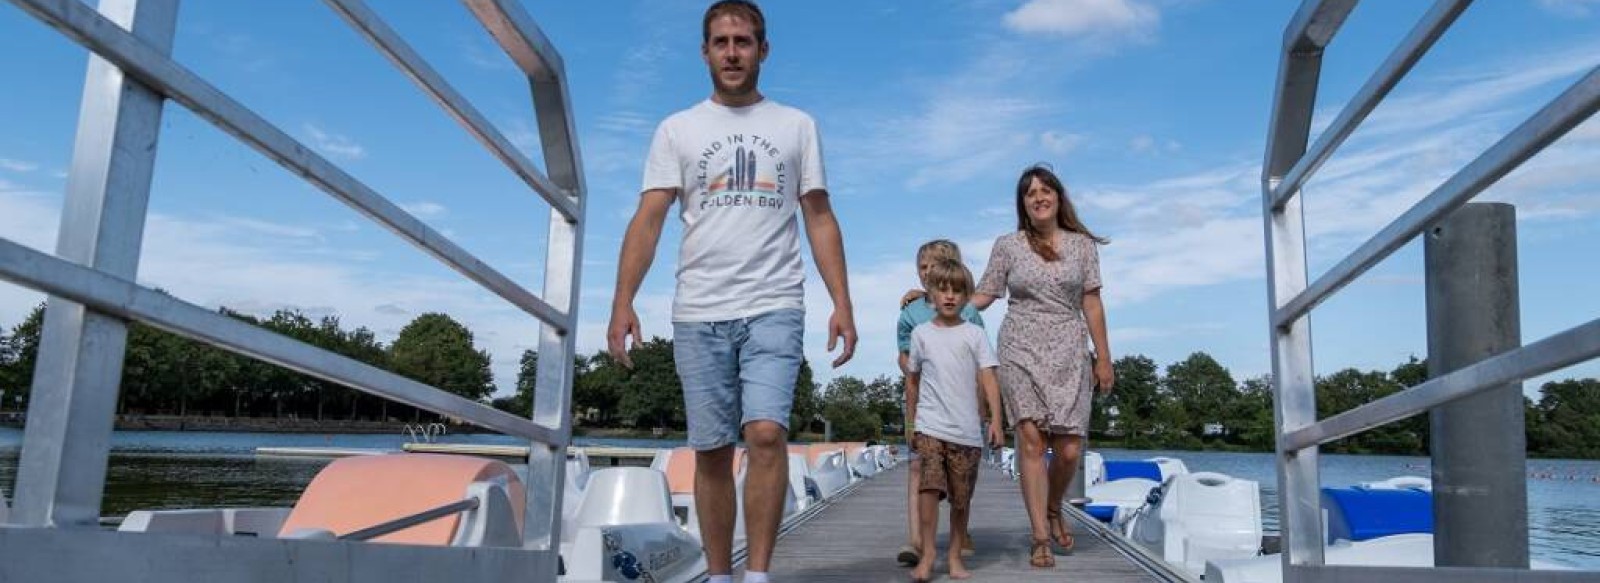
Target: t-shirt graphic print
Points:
(739, 173)
(740, 182)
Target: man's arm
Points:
(638, 251)
(827, 248)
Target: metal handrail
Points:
(1554, 120)
(1556, 352)
(130, 78)
(83, 25)
(367, 22)
(1421, 38)
(405, 522)
(1288, 165)
(118, 297)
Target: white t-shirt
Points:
(949, 358)
(739, 173)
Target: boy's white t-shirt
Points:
(948, 359)
(739, 173)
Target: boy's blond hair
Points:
(938, 250)
(950, 273)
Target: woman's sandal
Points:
(1041, 557)
(1061, 539)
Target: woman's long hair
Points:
(1066, 216)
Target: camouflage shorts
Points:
(948, 468)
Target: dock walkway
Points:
(856, 538)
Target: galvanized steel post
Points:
(1480, 489)
(61, 472)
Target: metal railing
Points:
(1288, 165)
(61, 474)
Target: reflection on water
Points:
(1570, 534)
(152, 481)
(158, 470)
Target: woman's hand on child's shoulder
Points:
(911, 296)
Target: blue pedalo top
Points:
(1117, 470)
(1359, 514)
(1102, 512)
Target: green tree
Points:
(597, 388)
(1351, 388)
(437, 350)
(1410, 374)
(7, 367)
(521, 403)
(807, 403)
(652, 395)
(1204, 389)
(1134, 400)
(885, 399)
(1569, 419)
(1251, 416)
(845, 405)
(19, 351)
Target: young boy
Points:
(949, 361)
(916, 313)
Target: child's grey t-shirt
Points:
(948, 359)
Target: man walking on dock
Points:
(739, 165)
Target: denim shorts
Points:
(737, 371)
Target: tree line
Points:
(1195, 403)
(167, 374)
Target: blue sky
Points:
(1153, 111)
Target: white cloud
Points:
(424, 209)
(630, 123)
(996, 212)
(1061, 143)
(1572, 8)
(1148, 144)
(1103, 24)
(1142, 143)
(18, 166)
(334, 145)
(28, 218)
(279, 230)
(480, 52)
(933, 144)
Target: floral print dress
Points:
(1046, 374)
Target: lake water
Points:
(156, 470)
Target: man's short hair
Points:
(743, 9)
(950, 274)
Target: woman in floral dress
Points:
(1050, 269)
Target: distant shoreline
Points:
(331, 426)
(246, 424)
(178, 423)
